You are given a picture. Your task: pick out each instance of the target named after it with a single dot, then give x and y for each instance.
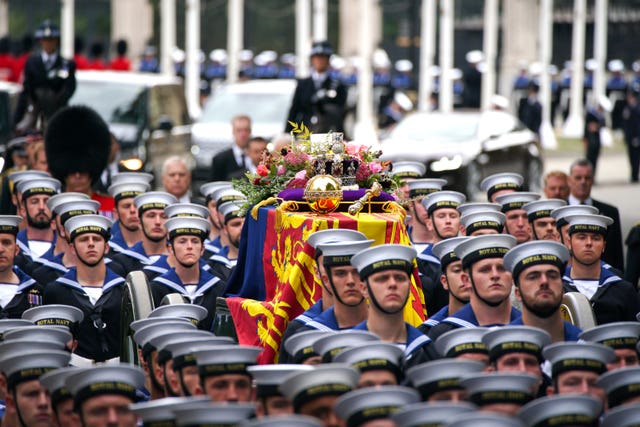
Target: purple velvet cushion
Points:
(348, 195)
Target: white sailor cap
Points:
(136, 325)
(404, 65)
(373, 356)
(292, 420)
(26, 367)
(187, 226)
(615, 65)
(444, 250)
(44, 185)
(153, 200)
(621, 385)
(58, 334)
(614, 335)
(268, 378)
(441, 375)
(324, 380)
(9, 224)
(54, 315)
(501, 181)
(183, 351)
(516, 339)
(231, 210)
(126, 190)
(542, 208)
(425, 186)
(408, 169)
(55, 380)
(516, 200)
(213, 414)
(443, 200)
(358, 407)
(473, 207)
(226, 359)
(330, 345)
(194, 312)
(143, 336)
(485, 246)
(461, 341)
(566, 410)
(433, 414)
(186, 209)
(487, 388)
(588, 224)
(163, 343)
(340, 253)
(583, 356)
(82, 224)
(560, 214)
(208, 189)
(474, 56)
(300, 345)
(8, 324)
(334, 235)
(487, 220)
(122, 379)
(624, 415)
(131, 178)
(161, 412)
(18, 176)
(226, 194)
(591, 64)
(384, 257)
(484, 419)
(73, 208)
(533, 253)
(218, 55)
(67, 196)
(28, 345)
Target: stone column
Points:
(132, 20)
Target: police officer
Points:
(319, 100)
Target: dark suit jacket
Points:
(326, 104)
(49, 90)
(613, 254)
(224, 166)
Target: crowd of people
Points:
(495, 347)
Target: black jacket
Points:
(224, 166)
(613, 254)
(321, 110)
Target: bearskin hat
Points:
(77, 140)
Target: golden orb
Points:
(323, 193)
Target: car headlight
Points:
(131, 165)
(446, 163)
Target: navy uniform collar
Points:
(571, 332)
(171, 280)
(466, 318)
(415, 338)
(427, 255)
(607, 277)
(325, 321)
(70, 279)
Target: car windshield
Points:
(262, 107)
(115, 102)
(436, 128)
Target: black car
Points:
(465, 147)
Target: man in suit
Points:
(319, 100)
(580, 183)
(49, 79)
(234, 162)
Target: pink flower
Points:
(374, 167)
(301, 174)
(281, 170)
(262, 170)
(353, 149)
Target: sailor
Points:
(18, 291)
(439, 380)
(420, 236)
(501, 392)
(477, 219)
(213, 243)
(124, 187)
(575, 411)
(463, 343)
(268, 378)
(299, 347)
(624, 416)
(362, 408)
(517, 221)
(407, 171)
(188, 277)
(61, 398)
(484, 271)
(543, 225)
(621, 385)
(443, 222)
(379, 363)
(430, 413)
(622, 337)
(451, 270)
(613, 298)
(501, 183)
(92, 287)
(385, 271)
(537, 268)
(330, 345)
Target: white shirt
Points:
(49, 60)
(7, 292)
(587, 287)
(94, 293)
(573, 201)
